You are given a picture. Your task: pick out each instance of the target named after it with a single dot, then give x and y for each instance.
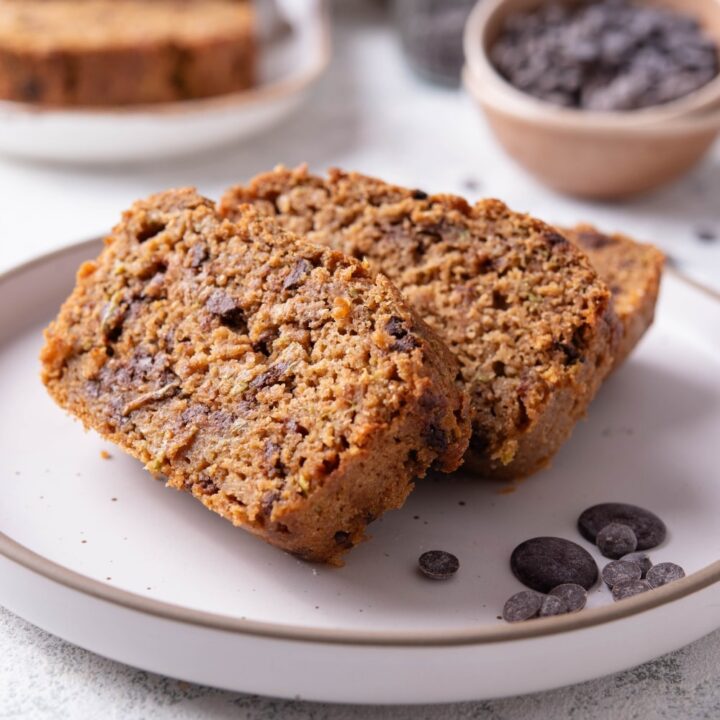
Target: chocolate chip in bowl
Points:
(607, 55)
(632, 124)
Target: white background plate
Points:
(288, 66)
(100, 554)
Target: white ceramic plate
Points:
(99, 553)
(289, 65)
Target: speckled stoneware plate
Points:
(289, 64)
(97, 552)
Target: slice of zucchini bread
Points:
(520, 307)
(283, 384)
(125, 52)
(632, 271)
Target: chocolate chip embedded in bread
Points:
(404, 340)
(301, 268)
(227, 309)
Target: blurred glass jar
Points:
(432, 36)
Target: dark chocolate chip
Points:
(573, 595)
(641, 559)
(524, 605)
(479, 440)
(438, 564)
(553, 238)
(271, 456)
(227, 309)
(31, 90)
(419, 195)
(616, 540)
(664, 573)
(198, 255)
(649, 529)
(301, 268)
(543, 563)
(267, 502)
(499, 301)
(553, 605)
(264, 344)
(629, 588)
(404, 340)
(270, 376)
(293, 426)
(594, 240)
(604, 55)
(206, 485)
(342, 539)
(435, 438)
(572, 354)
(706, 234)
(619, 571)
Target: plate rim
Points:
(474, 635)
(285, 87)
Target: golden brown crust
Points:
(124, 52)
(632, 271)
(285, 386)
(521, 308)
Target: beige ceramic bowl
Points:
(592, 154)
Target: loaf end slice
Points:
(281, 383)
(632, 271)
(527, 317)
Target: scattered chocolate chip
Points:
(419, 195)
(641, 559)
(524, 605)
(664, 573)
(543, 563)
(649, 529)
(438, 564)
(629, 588)
(616, 540)
(552, 605)
(619, 571)
(706, 234)
(574, 596)
(301, 268)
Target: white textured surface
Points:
(44, 678)
(368, 114)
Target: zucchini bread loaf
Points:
(632, 271)
(520, 307)
(281, 383)
(123, 52)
